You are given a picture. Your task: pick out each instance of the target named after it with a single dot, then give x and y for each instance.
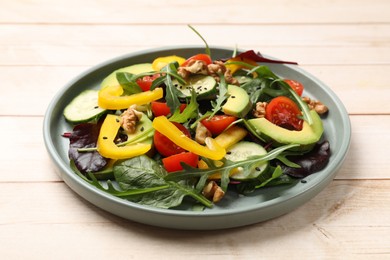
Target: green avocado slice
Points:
(238, 103)
(307, 137)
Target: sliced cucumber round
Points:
(241, 151)
(205, 86)
(84, 108)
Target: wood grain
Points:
(330, 224)
(197, 12)
(41, 44)
(44, 44)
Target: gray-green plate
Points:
(234, 210)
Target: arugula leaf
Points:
(190, 172)
(273, 177)
(263, 72)
(157, 82)
(172, 94)
(189, 112)
(255, 88)
(127, 81)
(222, 96)
(266, 179)
(208, 52)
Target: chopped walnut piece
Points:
(193, 67)
(316, 105)
(230, 79)
(259, 110)
(130, 118)
(213, 191)
(217, 68)
(201, 133)
(183, 72)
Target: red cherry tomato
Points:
(218, 123)
(295, 85)
(283, 112)
(162, 109)
(172, 163)
(202, 57)
(145, 82)
(165, 146)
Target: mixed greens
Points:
(191, 129)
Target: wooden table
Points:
(44, 44)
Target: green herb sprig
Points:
(189, 172)
(207, 50)
(221, 97)
(189, 112)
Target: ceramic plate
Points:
(235, 210)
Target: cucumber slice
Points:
(241, 151)
(84, 108)
(204, 86)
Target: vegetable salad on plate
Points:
(191, 129)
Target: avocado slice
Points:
(307, 137)
(111, 80)
(238, 103)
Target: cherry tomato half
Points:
(146, 82)
(202, 57)
(162, 109)
(283, 112)
(165, 146)
(172, 163)
(218, 123)
(295, 85)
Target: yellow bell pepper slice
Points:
(106, 146)
(226, 139)
(110, 97)
(161, 62)
(234, 67)
(212, 150)
(231, 136)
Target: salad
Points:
(180, 130)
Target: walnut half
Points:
(316, 105)
(259, 110)
(213, 191)
(130, 118)
(218, 68)
(201, 133)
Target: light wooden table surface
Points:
(44, 44)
